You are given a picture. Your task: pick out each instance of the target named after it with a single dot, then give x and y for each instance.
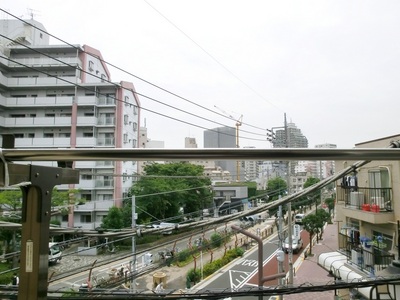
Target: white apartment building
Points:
(61, 96)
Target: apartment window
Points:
(135, 126)
(17, 115)
(103, 77)
(107, 197)
(135, 110)
(18, 135)
(88, 134)
(91, 65)
(88, 114)
(379, 178)
(125, 137)
(31, 135)
(86, 177)
(50, 115)
(126, 100)
(87, 197)
(86, 218)
(134, 143)
(108, 181)
(48, 135)
(65, 134)
(126, 119)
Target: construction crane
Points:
(238, 124)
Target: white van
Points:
(298, 219)
(54, 253)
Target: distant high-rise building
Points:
(145, 142)
(190, 142)
(325, 168)
(222, 137)
(288, 136)
(250, 168)
(293, 139)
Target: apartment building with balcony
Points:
(367, 213)
(61, 96)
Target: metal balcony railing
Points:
(367, 199)
(366, 257)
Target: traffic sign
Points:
(296, 231)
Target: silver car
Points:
(297, 244)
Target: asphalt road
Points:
(244, 272)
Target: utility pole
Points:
(280, 262)
(290, 228)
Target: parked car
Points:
(297, 244)
(298, 219)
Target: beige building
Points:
(367, 210)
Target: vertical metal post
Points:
(398, 240)
(36, 213)
(280, 263)
(290, 251)
(133, 243)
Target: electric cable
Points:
(122, 70)
(212, 57)
(160, 114)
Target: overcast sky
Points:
(332, 66)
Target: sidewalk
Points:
(307, 269)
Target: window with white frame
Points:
(126, 119)
(91, 65)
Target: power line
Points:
(120, 69)
(212, 57)
(149, 110)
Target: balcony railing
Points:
(365, 257)
(367, 199)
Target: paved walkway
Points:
(308, 270)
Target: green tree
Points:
(276, 187)
(310, 225)
(62, 199)
(11, 200)
(312, 197)
(113, 220)
(314, 224)
(330, 202)
(166, 188)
